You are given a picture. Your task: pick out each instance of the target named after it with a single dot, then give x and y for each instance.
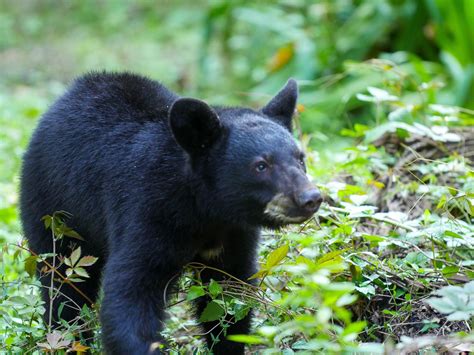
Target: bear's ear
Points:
(282, 107)
(195, 125)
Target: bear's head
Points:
(245, 164)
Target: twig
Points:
(381, 219)
(58, 273)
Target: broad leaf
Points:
(276, 256)
(75, 255)
(30, 265)
(213, 311)
(214, 288)
(195, 292)
(87, 260)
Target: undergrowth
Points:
(386, 265)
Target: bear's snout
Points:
(309, 200)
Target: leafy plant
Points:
(455, 301)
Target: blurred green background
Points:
(234, 52)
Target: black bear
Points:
(154, 181)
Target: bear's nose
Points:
(310, 200)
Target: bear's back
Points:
(116, 97)
(104, 133)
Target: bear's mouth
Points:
(282, 210)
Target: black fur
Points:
(152, 182)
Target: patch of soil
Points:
(417, 320)
(393, 318)
(414, 152)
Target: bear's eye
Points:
(261, 166)
(302, 160)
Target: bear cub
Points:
(154, 181)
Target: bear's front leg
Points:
(238, 258)
(135, 282)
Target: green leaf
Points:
(259, 274)
(71, 233)
(276, 256)
(241, 311)
(373, 239)
(400, 114)
(355, 327)
(30, 265)
(442, 202)
(19, 300)
(452, 234)
(459, 316)
(81, 272)
(441, 305)
(75, 255)
(450, 270)
(428, 325)
(87, 260)
(381, 95)
(195, 292)
(329, 256)
(246, 339)
(366, 290)
(47, 221)
(214, 288)
(331, 261)
(213, 311)
(391, 313)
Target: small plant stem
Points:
(378, 114)
(433, 260)
(51, 288)
(380, 219)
